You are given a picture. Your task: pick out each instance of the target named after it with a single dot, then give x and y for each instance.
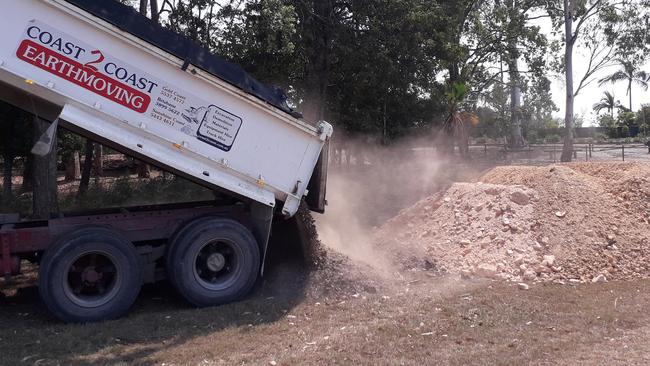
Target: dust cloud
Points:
(367, 185)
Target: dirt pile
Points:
(574, 222)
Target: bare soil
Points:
(425, 320)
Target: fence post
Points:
(591, 148)
(554, 160)
(485, 149)
(587, 153)
(623, 151)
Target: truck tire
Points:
(169, 258)
(90, 274)
(213, 262)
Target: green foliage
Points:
(261, 36)
(455, 94)
(533, 137)
(643, 117)
(538, 103)
(553, 139)
(625, 131)
(606, 120)
(626, 119)
(630, 74)
(607, 102)
(68, 143)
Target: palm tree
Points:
(629, 73)
(609, 103)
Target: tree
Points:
(519, 40)
(538, 103)
(385, 59)
(587, 21)
(608, 103)
(455, 123)
(630, 73)
(15, 140)
(493, 34)
(87, 167)
(44, 175)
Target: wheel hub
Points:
(92, 279)
(216, 262)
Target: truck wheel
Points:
(89, 275)
(214, 261)
(169, 258)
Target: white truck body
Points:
(114, 85)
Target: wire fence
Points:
(550, 153)
(489, 154)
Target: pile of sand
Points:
(574, 222)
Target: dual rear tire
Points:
(94, 274)
(90, 274)
(213, 261)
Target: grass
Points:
(127, 191)
(438, 321)
(115, 192)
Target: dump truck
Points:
(103, 71)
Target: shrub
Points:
(553, 139)
(533, 137)
(625, 131)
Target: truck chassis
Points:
(93, 263)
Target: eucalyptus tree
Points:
(519, 42)
(597, 27)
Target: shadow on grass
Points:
(160, 319)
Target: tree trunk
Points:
(72, 167)
(144, 169)
(567, 149)
(98, 160)
(143, 7)
(629, 91)
(154, 10)
(87, 168)
(448, 133)
(44, 177)
(27, 174)
(516, 136)
(8, 170)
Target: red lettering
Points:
(88, 78)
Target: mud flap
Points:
(316, 198)
(262, 219)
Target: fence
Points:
(536, 154)
(550, 153)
